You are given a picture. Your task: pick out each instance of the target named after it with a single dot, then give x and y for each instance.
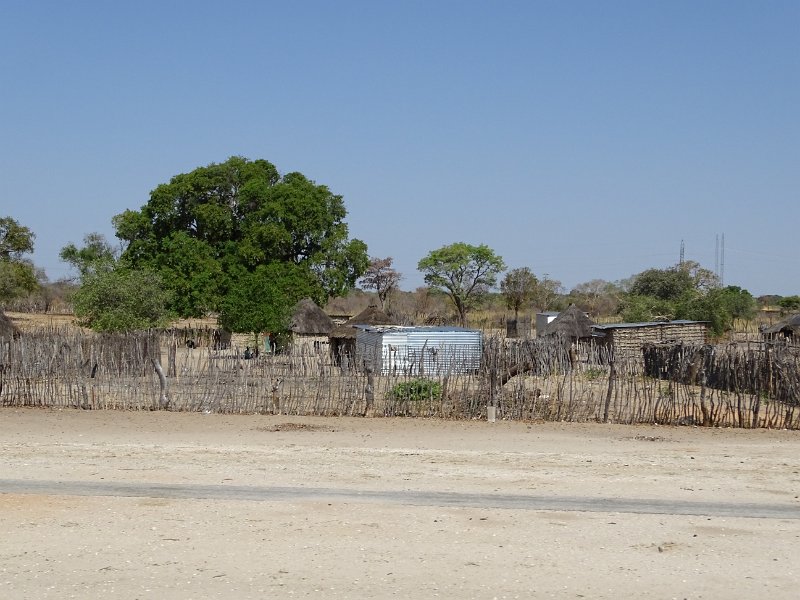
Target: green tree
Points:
(738, 302)
(464, 272)
(686, 291)
(664, 284)
(262, 300)
(789, 303)
(122, 299)
(17, 274)
(15, 239)
(518, 288)
(95, 255)
(207, 232)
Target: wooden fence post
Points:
(612, 376)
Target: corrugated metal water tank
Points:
(398, 350)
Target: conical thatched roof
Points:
(371, 315)
(573, 323)
(7, 328)
(790, 325)
(310, 319)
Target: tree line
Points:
(240, 240)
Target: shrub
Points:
(416, 389)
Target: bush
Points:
(415, 390)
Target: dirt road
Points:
(171, 505)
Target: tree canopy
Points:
(210, 234)
(464, 272)
(381, 277)
(95, 255)
(518, 288)
(122, 300)
(686, 291)
(17, 274)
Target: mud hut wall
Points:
(627, 342)
(319, 344)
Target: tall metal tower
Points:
(680, 261)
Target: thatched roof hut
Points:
(308, 319)
(7, 327)
(789, 327)
(343, 337)
(573, 323)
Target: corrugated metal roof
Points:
(413, 328)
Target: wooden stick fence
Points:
(751, 385)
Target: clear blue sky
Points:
(581, 139)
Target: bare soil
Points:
(104, 504)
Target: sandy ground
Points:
(169, 505)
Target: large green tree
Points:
(211, 232)
(464, 272)
(262, 300)
(17, 273)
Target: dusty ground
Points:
(168, 505)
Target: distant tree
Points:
(96, 255)
(381, 277)
(768, 300)
(15, 239)
(597, 296)
(464, 272)
(664, 284)
(703, 279)
(686, 291)
(789, 303)
(122, 300)
(518, 288)
(548, 293)
(17, 273)
(207, 232)
(739, 303)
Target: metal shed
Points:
(395, 350)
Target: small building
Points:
(626, 340)
(787, 329)
(310, 326)
(543, 319)
(427, 350)
(343, 337)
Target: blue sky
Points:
(581, 139)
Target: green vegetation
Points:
(518, 288)
(789, 303)
(686, 292)
(465, 273)
(122, 299)
(17, 274)
(415, 390)
(239, 238)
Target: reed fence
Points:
(752, 385)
